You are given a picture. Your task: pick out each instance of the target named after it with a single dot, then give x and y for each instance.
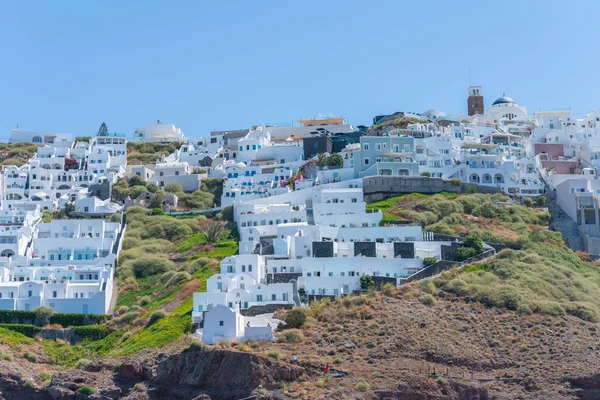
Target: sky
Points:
(68, 66)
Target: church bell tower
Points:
(475, 100)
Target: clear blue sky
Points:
(66, 66)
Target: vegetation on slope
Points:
(398, 123)
(16, 153)
(536, 273)
(147, 153)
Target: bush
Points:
(83, 363)
(456, 286)
(463, 253)
(43, 315)
(156, 315)
(428, 261)
(30, 357)
(274, 354)
(362, 386)
(44, 377)
(25, 329)
(151, 265)
(194, 347)
(290, 336)
(86, 390)
(92, 332)
(426, 174)
(428, 300)
(455, 182)
(294, 319)
(540, 201)
(524, 309)
(144, 301)
(178, 277)
(367, 282)
(527, 202)
(157, 211)
(173, 188)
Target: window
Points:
(316, 145)
(176, 172)
(366, 161)
(54, 294)
(366, 146)
(220, 323)
(249, 267)
(378, 146)
(161, 173)
(273, 297)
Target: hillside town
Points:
(297, 196)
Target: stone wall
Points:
(404, 249)
(322, 249)
(380, 187)
(430, 271)
(284, 277)
(449, 252)
(382, 280)
(366, 249)
(265, 309)
(53, 334)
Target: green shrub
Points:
(151, 265)
(92, 332)
(427, 299)
(30, 357)
(144, 301)
(367, 282)
(173, 188)
(156, 315)
(178, 277)
(362, 386)
(464, 253)
(294, 319)
(290, 336)
(86, 390)
(428, 261)
(83, 363)
(157, 211)
(540, 201)
(194, 347)
(457, 286)
(274, 354)
(43, 315)
(5, 356)
(426, 174)
(25, 329)
(527, 202)
(524, 309)
(44, 377)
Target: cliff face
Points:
(220, 374)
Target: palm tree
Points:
(213, 231)
(321, 160)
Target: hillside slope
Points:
(522, 324)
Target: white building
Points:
(72, 287)
(159, 132)
(224, 323)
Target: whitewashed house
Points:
(159, 132)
